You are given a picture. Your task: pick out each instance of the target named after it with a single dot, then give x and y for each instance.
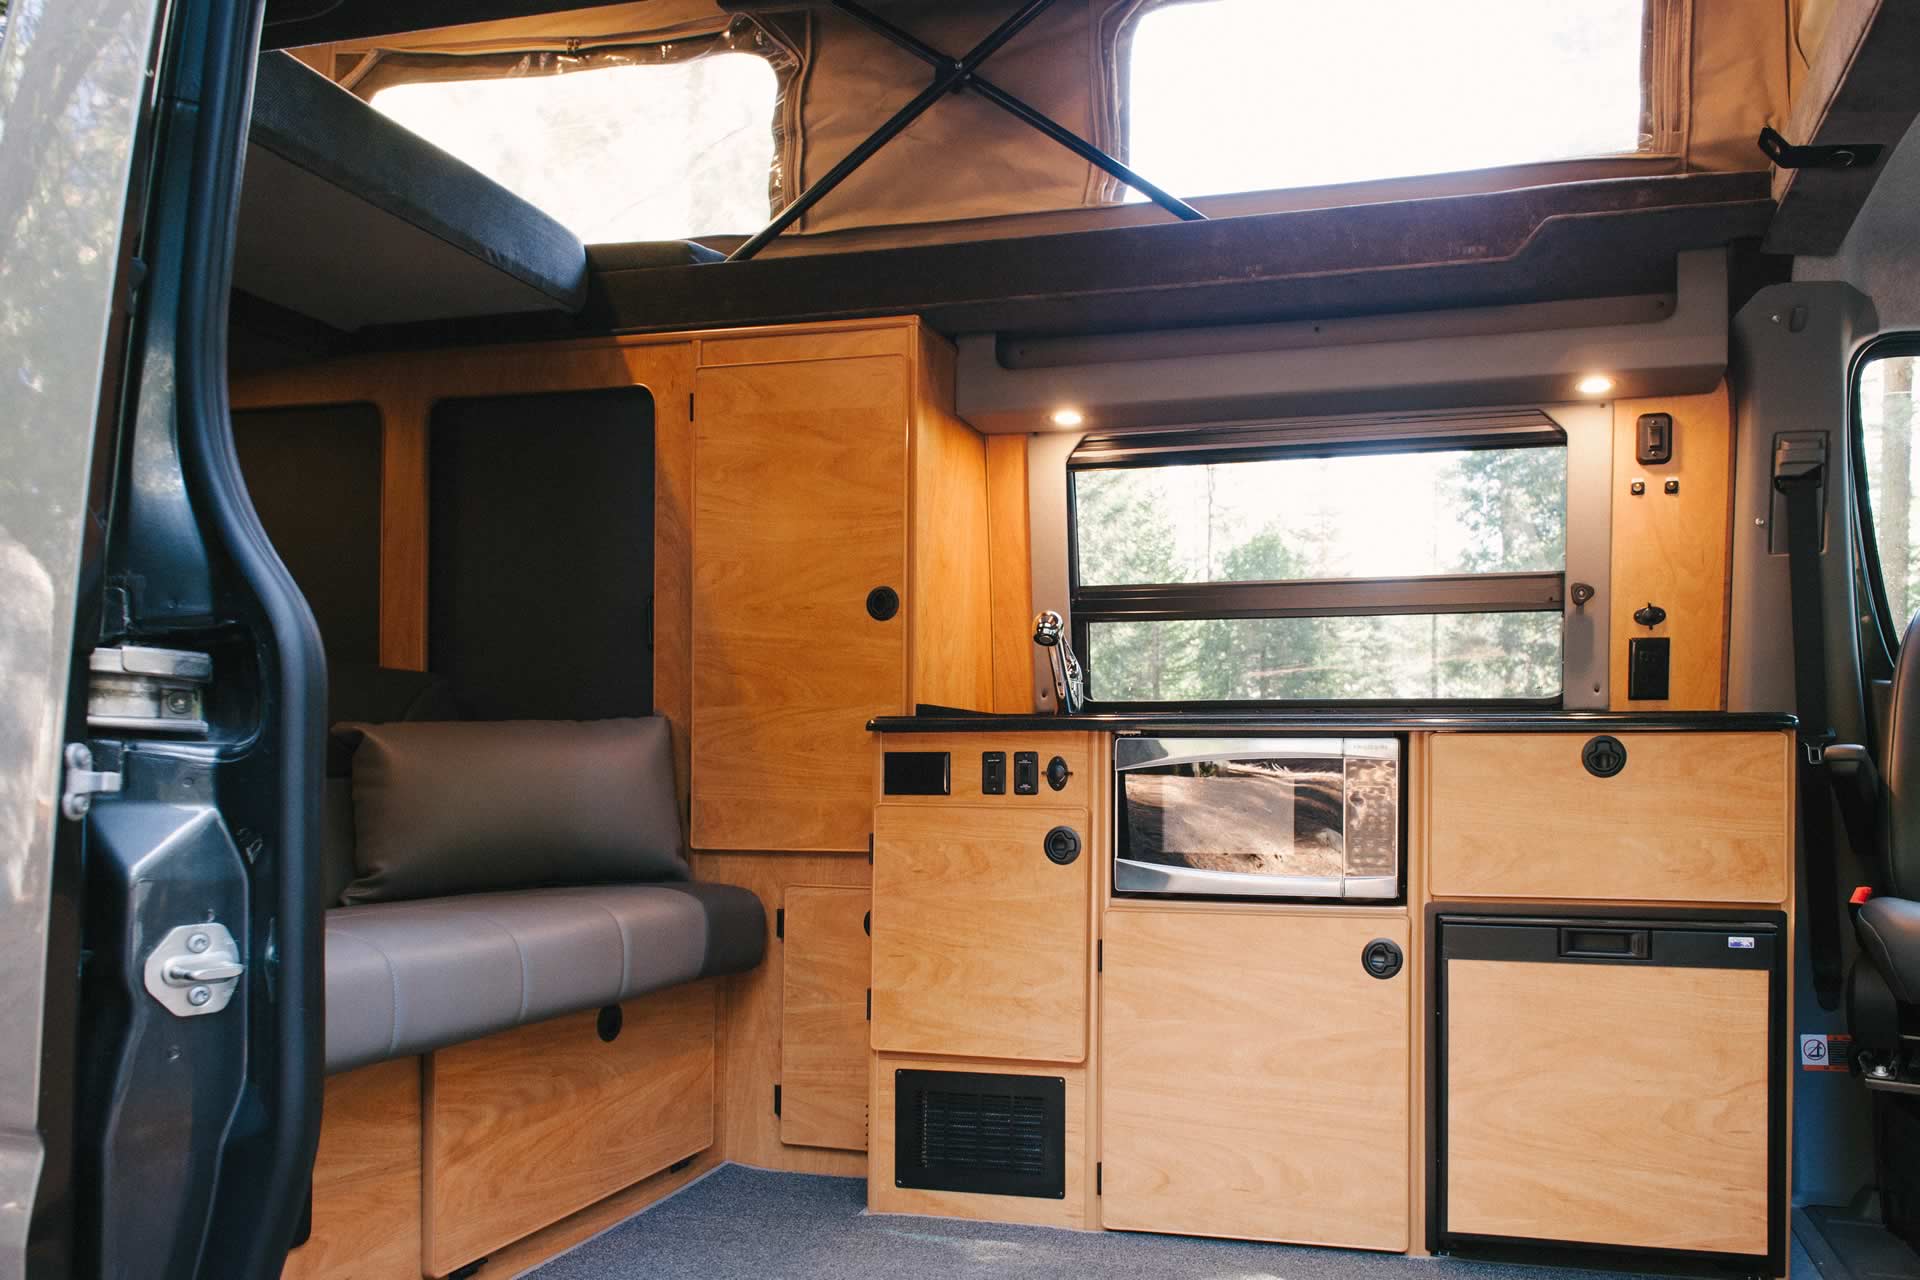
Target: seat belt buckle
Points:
(1860, 896)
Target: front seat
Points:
(1883, 989)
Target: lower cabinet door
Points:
(1254, 1077)
(980, 933)
(825, 967)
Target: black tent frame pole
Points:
(1025, 114)
(944, 83)
(950, 75)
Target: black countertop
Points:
(1350, 720)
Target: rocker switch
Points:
(1654, 439)
(1648, 658)
(993, 773)
(1026, 773)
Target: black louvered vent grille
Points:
(971, 1131)
(981, 1131)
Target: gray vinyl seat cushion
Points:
(407, 977)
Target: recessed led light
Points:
(1594, 384)
(1068, 417)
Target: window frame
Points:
(1412, 595)
(1665, 105)
(1881, 631)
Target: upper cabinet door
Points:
(799, 518)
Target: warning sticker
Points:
(1825, 1052)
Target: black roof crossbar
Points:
(951, 75)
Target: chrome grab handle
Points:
(1069, 687)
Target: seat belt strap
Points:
(1801, 485)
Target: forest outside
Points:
(1886, 428)
(1353, 516)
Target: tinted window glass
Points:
(1884, 401)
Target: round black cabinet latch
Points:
(610, 1022)
(1381, 958)
(882, 603)
(1062, 845)
(1604, 756)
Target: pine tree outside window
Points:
(1424, 566)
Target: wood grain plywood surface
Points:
(1608, 1104)
(949, 598)
(980, 941)
(366, 1179)
(750, 1052)
(1255, 1079)
(1692, 817)
(800, 512)
(1674, 549)
(823, 1040)
(528, 1126)
(1010, 553)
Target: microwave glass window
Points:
(1259, 817)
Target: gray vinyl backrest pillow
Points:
(467, 806)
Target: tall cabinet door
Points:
(799, 514)
(1254, 1077)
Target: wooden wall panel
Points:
(531, 1125)
(980, 942)
(1632, 1110)
(950, 598)
(826, 956)
(1009, 545)
(366, 1180)
(800, 511)
(754, 1004)
(405, 385)
(1255, 1079)
(1693, 817)
(1674, 550)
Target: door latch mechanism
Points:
(194, 970)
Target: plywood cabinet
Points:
(1255, 1077)
(823, 1038)
(840, 572)
(980, 945)
(1689, 817)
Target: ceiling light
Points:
(1594, 384)
(1070, 417)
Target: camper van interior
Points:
(1056, 638)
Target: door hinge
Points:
(869, 1004)
(689, 406)
(776, 1099)
(83, 782)
(1099, 955)
(1098, 1178)
(780, 922)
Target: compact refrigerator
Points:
(1610, 1083)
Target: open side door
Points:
(192, 761)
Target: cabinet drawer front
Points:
(1691, 817)
(528, 1126)
(1607, 1104)
(979, 939)
(1254, 1078)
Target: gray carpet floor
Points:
(750, 1224)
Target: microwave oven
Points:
(1308, 817)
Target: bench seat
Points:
(405, 978)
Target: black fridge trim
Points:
(1779, 1076)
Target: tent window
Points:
(1412, 569)
(1247, 95)
(651, 142)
